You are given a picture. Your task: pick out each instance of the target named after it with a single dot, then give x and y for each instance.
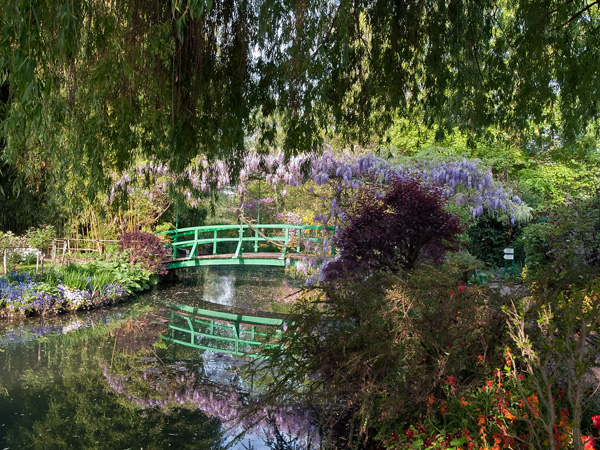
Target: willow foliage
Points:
(93, 83)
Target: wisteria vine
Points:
(465, 182)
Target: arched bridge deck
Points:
(264, 244)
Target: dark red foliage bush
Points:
(394, 232)
(145, 250)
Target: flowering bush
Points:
(495, 415)
(13, 245)
(76, 298)
(41, 238)
(386, 342)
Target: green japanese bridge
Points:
(264, 244)
(225, 332)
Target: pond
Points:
(107, 380)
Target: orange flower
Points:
(463, 402)
(507, 414)
(534, 404)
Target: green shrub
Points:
(488, 237)
(567, 246)
(41, 237)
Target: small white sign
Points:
(509, 251)
(508, 256)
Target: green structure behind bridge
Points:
(264, 244)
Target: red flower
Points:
(461, 288)
(409, 435)
(596, 422)
(451, 381)
(588, 442)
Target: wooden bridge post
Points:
(299, 239)
(236, 333)
(286, 242)
(194, 251)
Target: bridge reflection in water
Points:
(225, 332)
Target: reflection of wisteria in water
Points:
(177, 386)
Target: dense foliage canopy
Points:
(93, 82)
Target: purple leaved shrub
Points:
(145, 250)
(393, 232)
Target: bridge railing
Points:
(213, 238)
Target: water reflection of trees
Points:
(59, 400)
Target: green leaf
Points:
(27, 93)
(458, 441)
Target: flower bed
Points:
(76, 287)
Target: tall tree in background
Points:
(94, 83)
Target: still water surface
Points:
(106, 380)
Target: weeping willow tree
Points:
(96, 83)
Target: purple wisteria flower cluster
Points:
(338, 180)
(466, 182)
